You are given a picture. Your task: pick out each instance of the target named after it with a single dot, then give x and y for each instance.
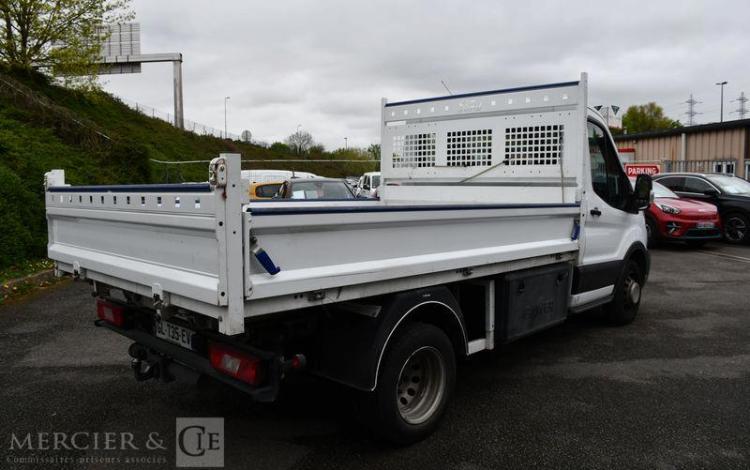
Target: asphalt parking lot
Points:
(671, 390)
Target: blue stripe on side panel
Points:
(359, 209)
(135, 188)
(482, 93)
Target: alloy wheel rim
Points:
(735, 229)
(421, 385)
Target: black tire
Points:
(736, 228)
(696, 243)
(651, 232)
(386, 409)
(623, 308)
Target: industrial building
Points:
(722, 147)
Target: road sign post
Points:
(121, 53)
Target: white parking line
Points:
(724, 255)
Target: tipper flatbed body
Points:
(483, 197)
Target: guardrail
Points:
(172, 170)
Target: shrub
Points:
(23, 235)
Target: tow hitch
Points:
(147, 365)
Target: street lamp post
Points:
(346, 143)
(721, 115)
(225, 116)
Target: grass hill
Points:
(97, 139)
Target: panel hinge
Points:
(466, 272)
(78, 271)
(316, 295)
(217, 172)
(161, 300)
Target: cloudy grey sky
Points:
(326, 64)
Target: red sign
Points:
(635, 169)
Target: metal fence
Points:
(729, 166)
(191, 126)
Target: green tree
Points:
(59, 37)
(647, 117)
(374, 151)
(280, 147)
(317, 150)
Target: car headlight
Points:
(668, 209)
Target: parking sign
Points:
(635, 169)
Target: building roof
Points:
(714, 126)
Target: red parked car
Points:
(673, 218)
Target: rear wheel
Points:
(736, 228)
(416, 381)
(624, 306)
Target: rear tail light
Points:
(240, 365)
(110, 312)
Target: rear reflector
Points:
(241, 366)
(110, 313)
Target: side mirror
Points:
(711, 192)
(643, 193)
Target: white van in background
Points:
(368, 184)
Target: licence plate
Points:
(705, 225)
(174, 333)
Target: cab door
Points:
(367, 186)
(358, 191)
(609, 230)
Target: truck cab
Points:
(614, 226)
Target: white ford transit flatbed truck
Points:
(500, 214)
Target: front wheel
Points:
(627, 299)
(416, 381)
(736, 228)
